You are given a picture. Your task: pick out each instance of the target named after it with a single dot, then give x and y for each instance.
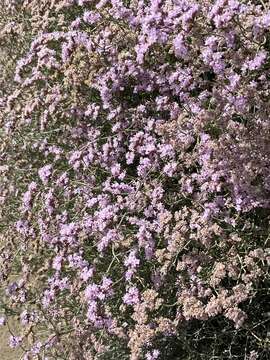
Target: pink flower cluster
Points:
(135, 173)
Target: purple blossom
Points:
(180, 47)
(131, 297)
(153, 355)
(68, 229)
(86, 273)
(92, 311)
(92, 292)
(45, 173)
(48, 297)
(27, 317)
(132, 263)
(2, 320)
(265, 20)
(12, 288)
(57, 262)
(257, 62)
(170, 168)
(36, 348)
(91, 17)
(144, 166)
(15, 341)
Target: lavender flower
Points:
(131, 297)
(15, 341)
(45, 173)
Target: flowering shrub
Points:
(135, 178)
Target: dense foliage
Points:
(135, 178)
